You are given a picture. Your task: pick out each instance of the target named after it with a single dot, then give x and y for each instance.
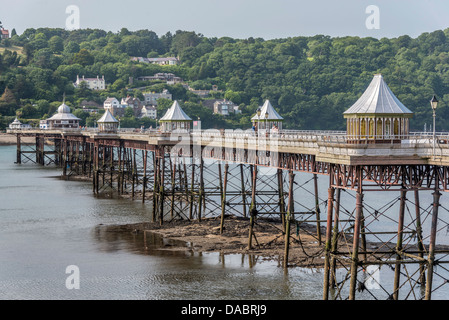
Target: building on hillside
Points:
(151, 97)
(221, 106)
(267, 117)
(107, 123)
(148, 112)
(89, 105)
(114, 106)
(4, 34)
(225, 107)
(200, 93)
(169, 78)
(92, 83)
(160, 61)
(132, 102)
(175, 119)
(377, 116)
(63, 119)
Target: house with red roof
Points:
(4, 34)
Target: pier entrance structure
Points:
(392, 247)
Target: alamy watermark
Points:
(372, 274)
(73, 280)
(373, 20)
(72, 22)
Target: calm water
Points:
(47, 224)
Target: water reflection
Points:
(114, 238)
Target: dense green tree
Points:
(309, 80)
(83, 57)
(56, 44)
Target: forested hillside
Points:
(309, 80)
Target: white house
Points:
(113, 105)
(149, 112)
(161, 61)
(92, 83)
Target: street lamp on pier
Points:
(266, 117)
(433, 104)
(258, 120)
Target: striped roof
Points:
(175, 113)
(378, 99)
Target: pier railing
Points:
(422, 144)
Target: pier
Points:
(194, 174)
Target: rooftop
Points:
(272, 114)
(175, 113)
(379, 99)
(107, 117)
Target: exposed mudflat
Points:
(269, 240)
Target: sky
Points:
(241, 19)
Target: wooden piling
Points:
(19, 149)
(242, 180)
(397, 269)
(422, 276)
(144, 183)
(356, 236)
(192, 190)
(317, 208)
(161, 186)
(252, 209)
(173, 185)
(223, 196)
(432, 240)
(335, 234)
(289, 218)
(201, 189)
(280, 180)
(155, 185)
(330, 206)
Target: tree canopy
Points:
(311, 81)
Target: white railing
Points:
(285, 138)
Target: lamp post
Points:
(258, 120)
(433, 104)
(266, 117)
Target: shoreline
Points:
(9, 139)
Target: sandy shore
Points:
(10, 139)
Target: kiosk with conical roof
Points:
(16, 124)
(175, 119)
(377, 116)
(267, 117)
(107, 123)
